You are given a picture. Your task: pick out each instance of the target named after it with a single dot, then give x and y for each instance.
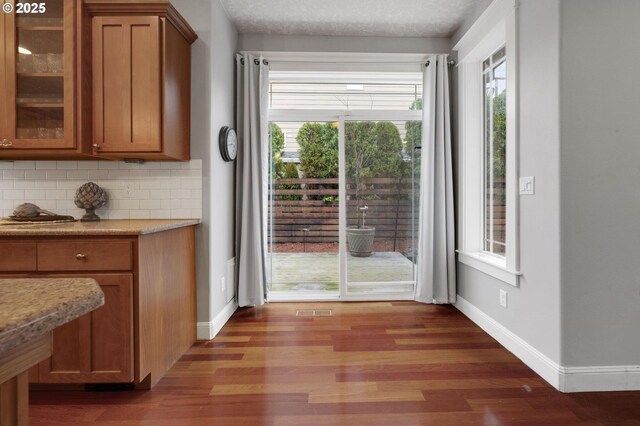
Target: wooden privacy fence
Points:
(306, 210)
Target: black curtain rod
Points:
(255, 61)
(449, 62)
(265, 62)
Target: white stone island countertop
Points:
(30, 307)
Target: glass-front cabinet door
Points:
(38, 70)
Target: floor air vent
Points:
(314, 313)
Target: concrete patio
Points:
(319, 272)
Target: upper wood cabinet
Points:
(38, 81)
(95, 78)
(141, 73)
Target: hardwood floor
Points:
(369, 364)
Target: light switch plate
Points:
(527, 185)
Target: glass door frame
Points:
(341, 116)
(68, 74)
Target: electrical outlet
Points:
(223, 285)
(127, 187)
(503, 299)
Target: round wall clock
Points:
(228, 143)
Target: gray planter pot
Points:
(360, 240)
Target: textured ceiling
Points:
(399, 18)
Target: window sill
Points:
(490, 265)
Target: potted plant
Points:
(360, 238)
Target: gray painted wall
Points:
(600, 157)
(288, 43)
(534, 308)
(212, 106)
(579, 299)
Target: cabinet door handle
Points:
(81, 256)
(6, 143)
(96, 146)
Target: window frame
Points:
(495, 28)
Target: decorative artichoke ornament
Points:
(90, 197)
(27, 210)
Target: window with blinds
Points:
(345, 91)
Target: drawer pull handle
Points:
(81, 256)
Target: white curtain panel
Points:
(252, 77)
(436, 279)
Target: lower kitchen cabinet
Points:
(149, 317)
(97, 347)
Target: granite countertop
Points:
(30, 307)
(103, 227)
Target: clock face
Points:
(228, 142)
(232, 144)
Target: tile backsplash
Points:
(152, 190)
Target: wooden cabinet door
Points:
(127, 92)
(39, 76)
(97, 347)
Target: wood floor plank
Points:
(377, 420)
(391, 386)
(371, 363)
(499, 405)
(331, 388)
(211, 357)
(233, 339)
(481, 338)
(433, 375)
(421, 331)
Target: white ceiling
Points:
(398, 18)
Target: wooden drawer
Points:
(17, 256)
(85, 255)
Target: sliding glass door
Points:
(343, 206)
(343, 185)
(381, 182)
(303, 216)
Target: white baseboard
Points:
(600, 378)
(536, 360)
(565, 379)
(208, 330)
